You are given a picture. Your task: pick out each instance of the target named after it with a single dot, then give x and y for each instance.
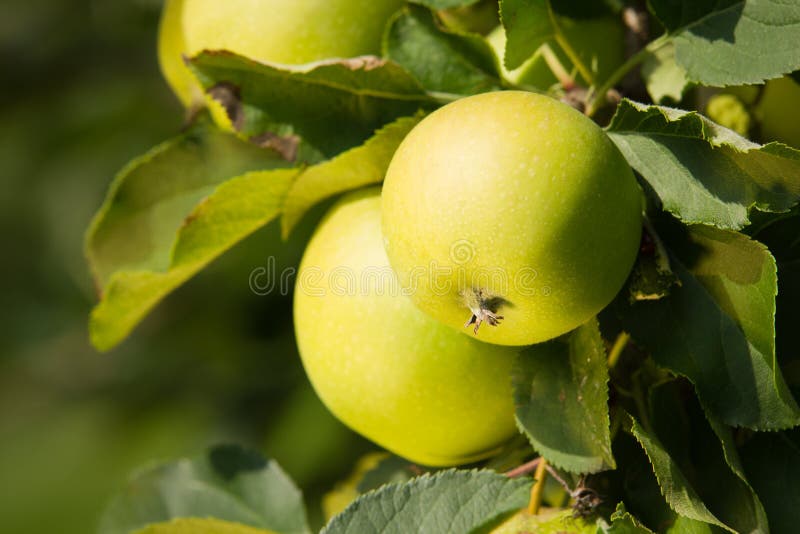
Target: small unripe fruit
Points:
(511, 208)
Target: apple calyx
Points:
(483, 308)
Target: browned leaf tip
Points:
(285, 145)
(228, 95)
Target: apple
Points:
(277, 31)
(384, 368)
(771, 105)
(512, 209)
(778, 112)
(171, 47)
(599, 42)
(729, 111)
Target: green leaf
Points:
(717, 327)
(528, 26)
(702, 172)
(703, 450)
(449, 502)
(314, 100)
(561, 397)
(674, 486)
(444, 4)
(662, 75)
(622, 522)
(357, 167)
(201, 526)
(741, 499)
(442, 60)
(772, 463)
(233, 211)
(150, 198)
(389, 470)
(733, 42)
(228, 483)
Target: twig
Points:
(524, 469)
(597, 97)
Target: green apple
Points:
(511, 204)
(171, 47)
(779, 113)
(277, 31)
(729, 111)
(287, 31)
(384, 368)
(599, 43)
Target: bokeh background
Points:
(81, 95)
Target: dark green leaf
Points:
(623, 523)
(201, 526)
(528, 26)
(357, 167)
(442, 60)
(702, 172)
(703, 450)
(674, 486)
(772, 463)
(315, 100)
(561, 397)
(718, 327)
(449, 502)
(444, 4)
(732, 42)
(229, 483)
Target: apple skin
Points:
(171, 47)
(278, 31)
(778, 112)
(384, 368)
(729, 111)
(515, 196)
(287, 31)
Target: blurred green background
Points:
(82, 95)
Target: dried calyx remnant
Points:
(484, 308)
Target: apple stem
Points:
(538, 488)
(616, 350)
(484, 309)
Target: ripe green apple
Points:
(278, 31)
(511, 204)
(384, 368)
(599, 42)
